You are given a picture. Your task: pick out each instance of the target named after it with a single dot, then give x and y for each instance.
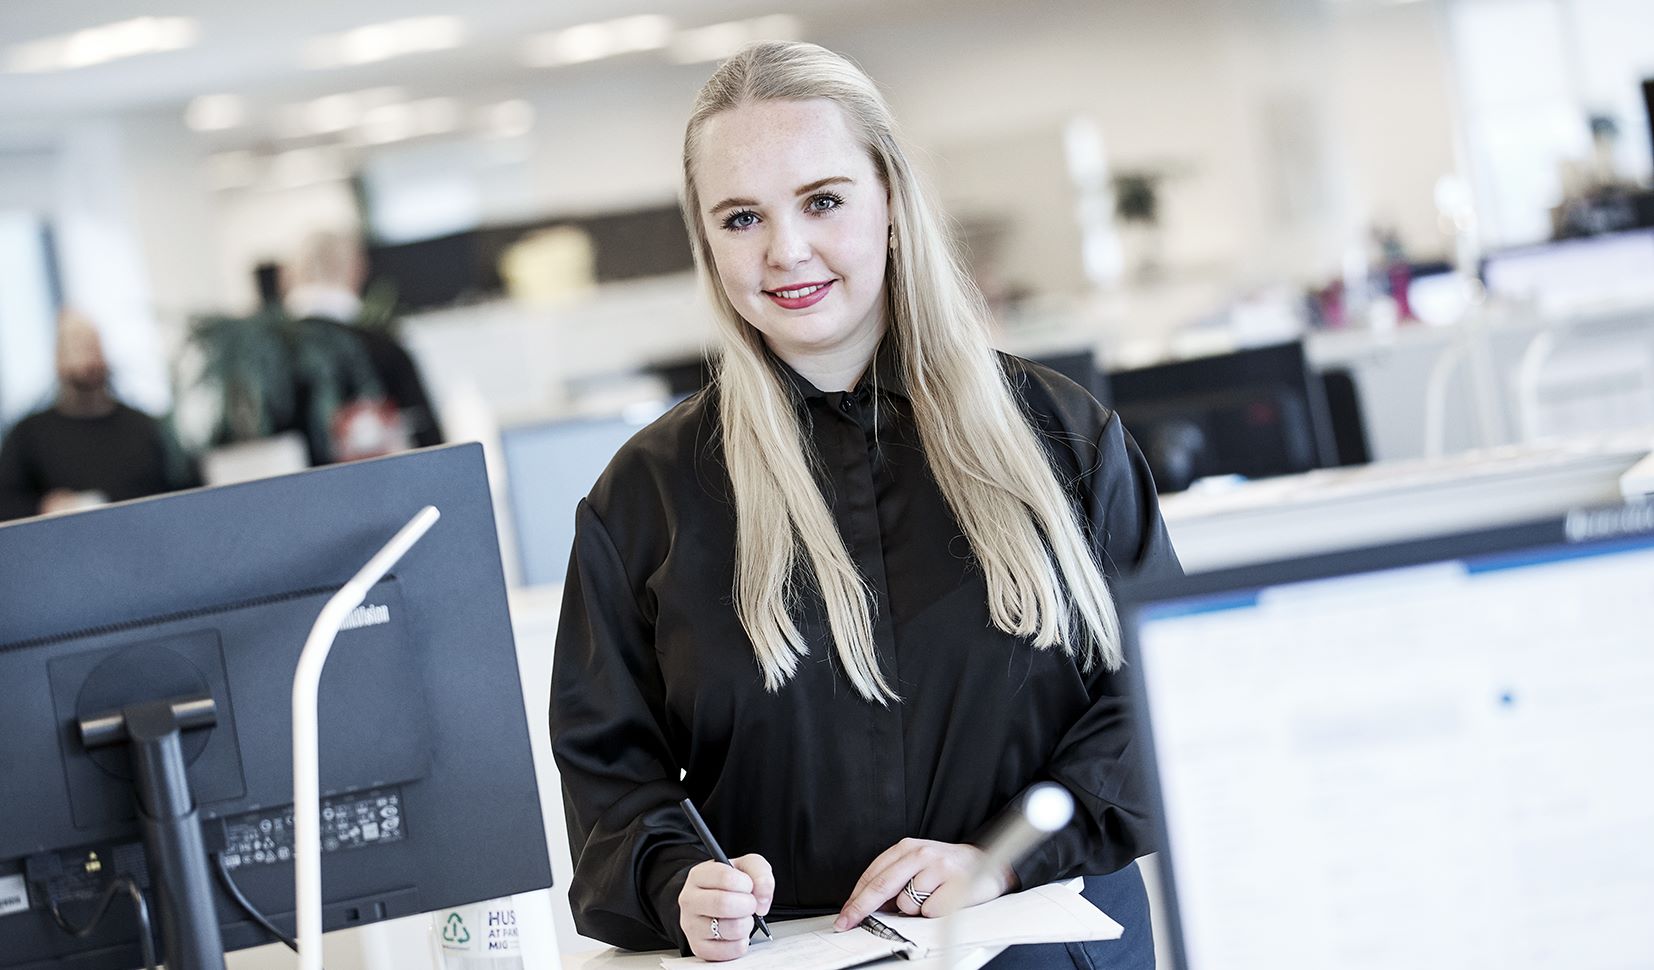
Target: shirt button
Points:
(847, 406)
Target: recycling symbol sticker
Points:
(454, 931)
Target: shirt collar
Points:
(885, 376)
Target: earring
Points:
(893, 245)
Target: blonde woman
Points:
(853, 598)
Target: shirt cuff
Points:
(668, 870)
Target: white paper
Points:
(1056, 913)
(808, 944)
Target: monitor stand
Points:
(171, 823)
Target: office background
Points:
(1442, 206)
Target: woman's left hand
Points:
(939, 874)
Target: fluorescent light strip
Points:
(100, 45)
(718, 41)
(216, 112)
(381, 42)
(334, 113)
(594, 41)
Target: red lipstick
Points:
(809, 294)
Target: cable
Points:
(146, 937)
(223, 872)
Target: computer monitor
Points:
(1432, 754)
(427, 781)
(1079, 366)
(550, 466)
(1255, 413)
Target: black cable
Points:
(146, 938)
(223, 872)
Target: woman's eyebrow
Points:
(821, 183)
(730, 204)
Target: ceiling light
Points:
(385, 124)
(381, 42)
(590, 42)
(216, 112)
(334, 112)
(718, 41)
(306, 166)
(508, 119)
(389, 123)
(100, 45)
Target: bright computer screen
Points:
(428, 789)
(1433, 755)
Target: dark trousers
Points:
(1121, 896)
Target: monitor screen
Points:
(427, 781)
(1256, 413)
(550, 466)
(1432, 755)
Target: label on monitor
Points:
(14, 894)
(348, 822)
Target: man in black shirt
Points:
(323, 286)
(87, 448)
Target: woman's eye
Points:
(825, 202)
(741, 220)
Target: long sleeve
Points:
(1097, 759)
(631, 845)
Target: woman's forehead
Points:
(777, 145)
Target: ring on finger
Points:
(715, 934)
(915, 895)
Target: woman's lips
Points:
(800, 296)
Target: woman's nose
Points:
(788, 245)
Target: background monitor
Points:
(1256, 413)
(1425, 755)
(550, 467)
(428, 786)
(1079, 366)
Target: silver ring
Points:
(915, 895)
(715, 934)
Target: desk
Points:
(610, 958)
(1340, 508)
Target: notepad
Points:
(1056, 913)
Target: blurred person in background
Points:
(87, 448)
(323, 293)
(853, 599)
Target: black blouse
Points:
(656, 694)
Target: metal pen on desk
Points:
(716, 850)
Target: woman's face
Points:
(798, 223)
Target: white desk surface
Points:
(610, 958)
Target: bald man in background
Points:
(87, 448)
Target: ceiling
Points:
(253, 48)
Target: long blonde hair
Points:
(1043, 580)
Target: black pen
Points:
(717, 852)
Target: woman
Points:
(851, 599)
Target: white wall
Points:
(26, 328)
(1392, 98)
(1616, 43)
(101, 255)
(174, 218)
(259, 226)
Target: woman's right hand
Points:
(729, 896)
